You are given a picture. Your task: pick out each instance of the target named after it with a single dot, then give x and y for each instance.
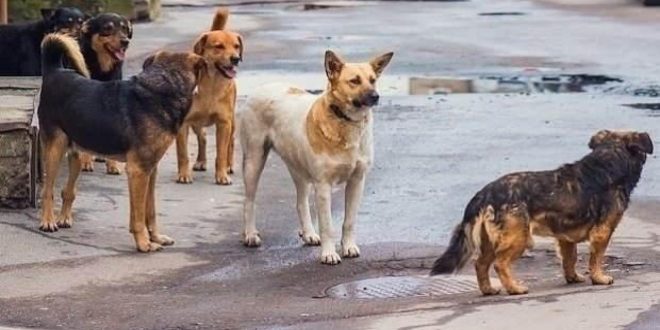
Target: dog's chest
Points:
(339, 168)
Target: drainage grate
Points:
(404, 286)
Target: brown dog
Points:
(132, 121)
(215, 102)
(582, 201)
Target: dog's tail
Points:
(220, 19)
(465, 241)
(58, 48)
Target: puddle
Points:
(404, 286)
(644, 106)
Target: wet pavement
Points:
(432, 153)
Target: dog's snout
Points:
(234, 60)
(372, 98)
(125, 42)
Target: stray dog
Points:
(324, 140)
(215, 103)
(20, 52)
(132, 121)
(103, 43)
(582, 201)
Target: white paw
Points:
(350, 250)
(252, 239)
(330, 258)
(310, 238)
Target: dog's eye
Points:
(372, 80)
(237, 46)
(220, 46)
(355, 81)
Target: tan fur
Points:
(214, 104)
(72, 51)
(324, 140)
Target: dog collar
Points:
(337, 111)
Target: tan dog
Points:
(324, 140)
(214, 103)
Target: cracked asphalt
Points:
(432, 153)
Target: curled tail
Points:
(220, 19)
(58, 48)
(465, 242)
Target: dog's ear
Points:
(240, 46)
(598, 138)
(380, 62)
(489, 213)
(220, 19)
(333, 65)
(198, 48)
(200, 66)
(641, 142)
(47, 13)
(148, 61)
(130, 29)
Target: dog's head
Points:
(638, 143)
(109, 35)
(187, 66)
(353, 85)
(222, 49)
(67, 20)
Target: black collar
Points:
(337, 111)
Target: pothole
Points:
(403, 286)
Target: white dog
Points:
(324, 140)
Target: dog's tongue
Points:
(119, 54)
(230, 71)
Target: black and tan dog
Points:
(132, 121)
(20, 44)
(582, 201)
(104, 41)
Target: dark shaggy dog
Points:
(104, 41)
(20, 52)
(132, 121)
(582, 201)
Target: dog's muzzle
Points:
(368, 100)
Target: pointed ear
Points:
(148, 61)
(200, 44)
(130, 29)
(240, 45)
(333, 65)
(598, 138)
(47, 13)
(379, 63)
(641, 142)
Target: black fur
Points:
(20, 44)
(575, 195)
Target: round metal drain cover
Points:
(404, 286)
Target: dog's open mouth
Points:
(118, 53)
(228, 71)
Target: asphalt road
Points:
(432, 153)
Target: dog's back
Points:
(19, 49)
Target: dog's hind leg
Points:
(65, 218)
(138, 187)
(54, 147)
(323, 192)
(599, 238)
(232, 141)
(87, 162)
(485, 258)
(510, 245)
(152, 225)
(306, 232)
(112, 167)
(200, 163)
(568, 254)
(185, 175)
(353, 197)
(255, 153)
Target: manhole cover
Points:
(404, 286)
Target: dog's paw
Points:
(575, 278)
(112, 169)
(517, 289)
(87, 166)
(223, 180)
(64, 221)
(149, 247)
(330, 258)
(252, 239)
(310, 238)
(490, 291)
(162, 240)
(350, 250)
(199, 166)
(184, 178)
(48, 226)
(602, 279)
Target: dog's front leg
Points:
(222, 140)
(152, 226)
(65, 219)
(200, 163)
(138, 187)
(323, 192)
(353, 197)
(185, 175)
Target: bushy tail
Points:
(56, 48)
(465, 242)
(220, 19)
